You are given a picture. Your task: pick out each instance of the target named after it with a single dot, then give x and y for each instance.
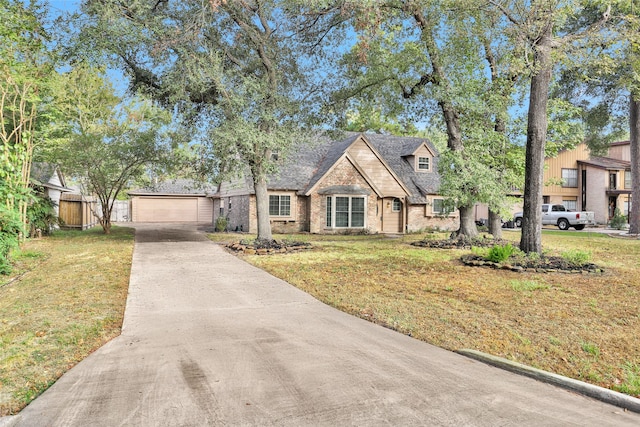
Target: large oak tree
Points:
(231, 70)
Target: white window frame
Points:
(419, 164)
(280, 206)
(442, 211)
(396, 205)
(330, 212)
(627, 180)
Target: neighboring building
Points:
(364, 182)
(48, 180)
(180, 200)
(581, 182)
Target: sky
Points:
(57, 8)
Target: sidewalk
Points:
(210, 340)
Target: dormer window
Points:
(424, 164)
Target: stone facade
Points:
(344, 172)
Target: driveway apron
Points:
(210, 340)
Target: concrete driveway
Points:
(210, 340)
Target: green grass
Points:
(64, 299)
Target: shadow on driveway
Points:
(170, 232)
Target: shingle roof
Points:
(310, 163)
(176, 186)
(606, 163)
(395, 150)
(42, 172)
(302, 166)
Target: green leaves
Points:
(111, 142)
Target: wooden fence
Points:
(77, 211)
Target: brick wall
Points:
(418, 221)
(343, 174)
(293, 226)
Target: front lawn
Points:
(64, 299)
(583, 326)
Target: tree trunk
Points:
(467, 222)
(495, 225)
(262, 208)
(531, 239)
(634, 129)
(105, 220)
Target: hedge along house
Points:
(362, 183)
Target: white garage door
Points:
(166, 209)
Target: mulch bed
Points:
(542, 264)
(267, 247)
(461, 243)
(545, 264)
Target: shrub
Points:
(221, 224)
(41, 215)
(618, 221)
(10, 228)
(500, 253)
(576, 257)
(480, 251)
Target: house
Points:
(360, 183)
(48, 180)
(179, 200)
(583, 182)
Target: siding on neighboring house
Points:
(599, 184)
(620, 150)
(568, 160)
(595, 194)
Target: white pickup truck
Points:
(562, 217)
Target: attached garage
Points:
(178, 201)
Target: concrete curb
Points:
(603, 394)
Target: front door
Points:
(613, 205)
(392, 209)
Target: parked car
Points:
(562, 217)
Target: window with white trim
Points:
(279, 205)
(424, 163)
(396, 206)
(570, 178)
(438, 206)
(570, 204)
(346, 211)
(627, 179)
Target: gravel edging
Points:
(615, 398)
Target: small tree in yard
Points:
(110, 145)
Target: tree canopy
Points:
(111, 143)
(235, 72)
